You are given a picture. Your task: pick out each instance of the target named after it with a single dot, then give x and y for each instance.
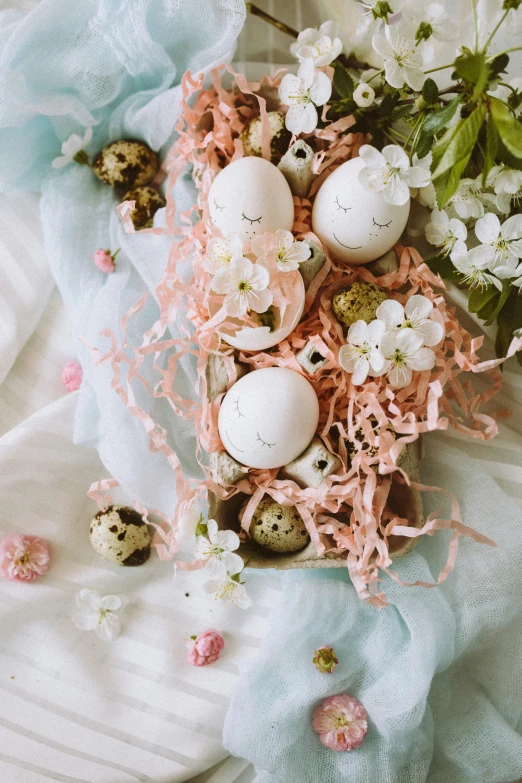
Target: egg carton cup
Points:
(404, 500)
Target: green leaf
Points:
(442, 265)
(389, 102)
(509, 128)
(452, 153)
(491, 150)
(489, 318)
(201, 528)
(438, 119)
(401, 111)
(424, 144)
(480, 298)
(461, 143)
(498, 65)
(343, 82)
(473, 68)
(430, 91)
(509, 320)
(504, 156)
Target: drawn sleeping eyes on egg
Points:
(243, 216)
(250, 196)
(355, 224)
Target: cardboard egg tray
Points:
(402, 499)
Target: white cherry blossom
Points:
(404, 353)
(389, 172)
(501, 244)
(229, 589)
(217, 548)
(425, 194)
(447, 233)
(185, 534)
(402, 60)
(322, 44)
(364, 95)
(507, 184)
(302, 93)
(514, 21)
(98, 614)
(361, 355)
(415, 316)
(73, 150)
(466, 201)
(245, 285)
(220, 252)
(474, 270)
(288, 252)
(432, 25)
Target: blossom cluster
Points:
(496, 247)
(246, 285)
(216, 549)
(397, 343)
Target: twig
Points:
(255, 11)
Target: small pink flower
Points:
(104, 260)
(23, 558)
(325, 659)
(72, 375)
(340, 722)
(205, 648)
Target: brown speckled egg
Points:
(120, 535)
(279, 136)
(126, 164)
(357, 302)
(148, 201)
(279, 528)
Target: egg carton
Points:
(308, 470)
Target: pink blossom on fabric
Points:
(72, 376)
(340, 721)
(104, 260)
(205, 648)
(23, 558)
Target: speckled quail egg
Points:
(357, 302)
(279, 136)
(279, 528)
(126, 164)
(353, 448)
(148, 201)
(120, 535)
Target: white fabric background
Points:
(74, 709)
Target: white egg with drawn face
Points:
(250, 196)
(268, 417)
(355, 224)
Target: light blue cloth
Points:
(439, 671)
(113, 65)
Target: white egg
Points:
(356, 225)
(249, 338)
(250, 196)
(268, 417)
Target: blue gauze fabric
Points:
(438, 671)
(115, 65)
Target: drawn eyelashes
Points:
(252, 220)
(217, 205)
(384, 225)
(236, 409)
(340, 206)
(260, 439)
